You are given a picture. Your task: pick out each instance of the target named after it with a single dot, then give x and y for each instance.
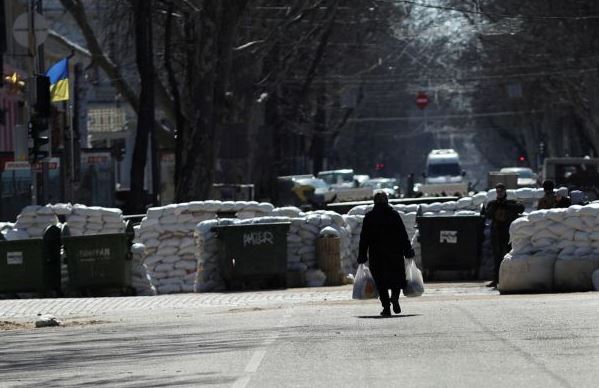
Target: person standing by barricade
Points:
(549, 200)
(501, 211)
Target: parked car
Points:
(526, 177)
(322, 190)
(388, 185)
(338, 178)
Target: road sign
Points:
(20, 29)
(421, 100)
(53, 164)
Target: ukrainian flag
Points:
(59, 80)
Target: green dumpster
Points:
(451, 243)
(253, 256)
(98, 262)
(31, 265)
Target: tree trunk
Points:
(319, 137)
(174, 89)
(208, 68)
(145, 117)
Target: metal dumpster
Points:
(99, 262)
(451, 243)
(31, 265)
(253, 256)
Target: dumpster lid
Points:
(248, 225)
(449, 216)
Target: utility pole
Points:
(32, 48)
(41, 70)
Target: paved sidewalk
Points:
(27, 308)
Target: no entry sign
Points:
(421, 100)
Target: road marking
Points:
(255, 361)
(258, 355)
(242, 382)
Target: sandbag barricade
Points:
(570, 235)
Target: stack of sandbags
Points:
(360, 210)
(33, 221)
(140, 280)
(479, 199)
(10, 233)
(167, 233)
(288, 211)
(4, 226)
(93, 220)
(245, 209)
(527, 273)
(571, 234)
(529, 197)
(349, 262)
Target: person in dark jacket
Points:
(384, 242)
(501, 212)
(549, 200)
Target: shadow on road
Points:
(391, 317)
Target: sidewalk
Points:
(28, 308)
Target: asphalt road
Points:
(454, 336)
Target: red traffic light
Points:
(522, 158)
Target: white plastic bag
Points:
(414, 282)
(364, 286)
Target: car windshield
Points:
(314, 182)
(522, 172)
(380, 184)
(452, 169)
(333, 178)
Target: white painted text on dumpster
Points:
(449, 236)
(14, 258)
(94, 254)
(258, 238)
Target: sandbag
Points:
(575, 274)
(526, 273)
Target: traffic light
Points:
(379, 166)
(42, 96)
(38, 137)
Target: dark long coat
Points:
(384, 241)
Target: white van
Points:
(444, 174)
(443, 166)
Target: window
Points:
(452, 169)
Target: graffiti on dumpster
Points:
(449, 236)
(14, 258)
(94, 254)
(258, 238)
